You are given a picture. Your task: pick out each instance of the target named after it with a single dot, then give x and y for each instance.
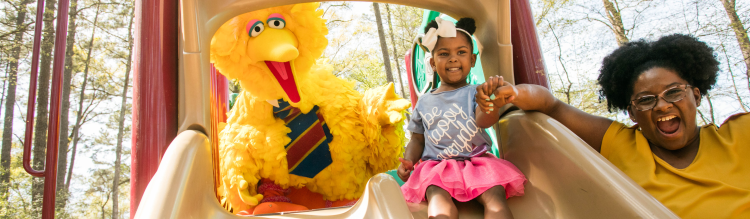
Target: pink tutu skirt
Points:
(464, 179)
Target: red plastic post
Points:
(154, 91)
(410, 78)
(219, 107)
(53, 130)
(32, 93)
(528, 64)
(53, 134)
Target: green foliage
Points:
(92, 175)
(18, 204)
(367, 70)
(353, 42)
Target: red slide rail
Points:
(53, 131)
(154, 91)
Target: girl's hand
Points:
(488, 94)
(489, 86)
(404, 170)
(504, 94)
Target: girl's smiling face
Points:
(453, 59)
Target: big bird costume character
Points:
(296, 125)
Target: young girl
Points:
(448, 135)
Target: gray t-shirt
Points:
(448, 123)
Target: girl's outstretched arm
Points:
(412, 154)
(529, 97)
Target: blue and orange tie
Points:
(307, 154)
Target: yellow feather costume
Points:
(367, 129)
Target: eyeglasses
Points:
(670, 95)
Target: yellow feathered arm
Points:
(251, 147)
(382, 114)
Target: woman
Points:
(696, 171)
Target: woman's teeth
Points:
(452, 69)
(666, 118)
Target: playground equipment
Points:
(178, 100)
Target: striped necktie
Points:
(307, 154)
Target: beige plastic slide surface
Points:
(183, 188)
(567, 178)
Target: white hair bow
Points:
(445, 29)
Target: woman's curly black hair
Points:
(466, 24)
(693, 61)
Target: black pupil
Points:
(257, 28)
(276, 23)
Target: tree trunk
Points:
(740, 33)
(10, 101)
(5, 83)
(79, 113)
(121, 125)
(40, 128)
(395, 52)
(383, 46)
(615, 20)
(104, 207)
(62, 155)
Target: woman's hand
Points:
(531, 97)
(404, 170)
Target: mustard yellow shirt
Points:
(715, 185)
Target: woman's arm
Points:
(412, 154)
(528, 97)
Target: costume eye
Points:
(254, 28)
(276, 21)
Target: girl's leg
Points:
(494, 203)
(440, 203)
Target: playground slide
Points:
(183, 188)
(567, 179)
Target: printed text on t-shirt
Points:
(445, 121)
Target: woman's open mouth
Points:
(668, 125)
